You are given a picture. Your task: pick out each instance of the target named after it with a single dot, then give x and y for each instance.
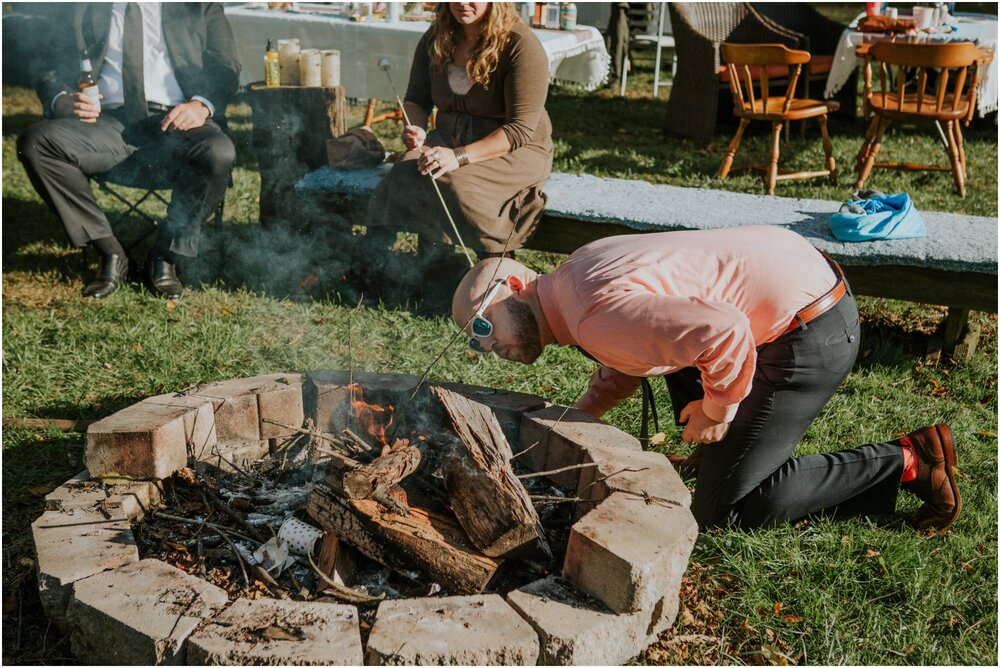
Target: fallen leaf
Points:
(295, 339)
(275, 632)
(791, 619)
(225, 311)
(969, 566)
(137, 348)
(41, 490)
(870, 553)
(776, 608)
(108, 366)
(988, 434)
(171, 305)
(27, 562)
(659, 438)
(319, 320)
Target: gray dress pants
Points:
(748, 479)
(60, 154)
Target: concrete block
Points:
(139, 614)
(270, 633)
(455, 630)
(508, 407)
(77, 492)
(560, 433)
(74, 544)
(645, 474)
(145, 441)
(575, 629)
(628, 553)
(136, 499)
(237, 417)
(225, 454)
(199, 421)
(282, 405)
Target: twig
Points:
(308, 432)
(354, 438)
(272, 584)
(210, 525)
(254, 480)
(342, 459)
(559, 499)
(239, 559)
(350, 352)
(341, 592)
(613, 473)
(232, 514)
(42, 423)
(565, 468)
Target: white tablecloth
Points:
(981, 30)
(576, 58)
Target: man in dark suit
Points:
(166, 72)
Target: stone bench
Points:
(955, 265)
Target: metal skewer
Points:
(385, 65)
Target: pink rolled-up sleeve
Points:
(639, 334)
(607, 389)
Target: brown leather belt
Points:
(823, 303)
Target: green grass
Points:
(853, 592)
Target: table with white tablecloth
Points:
(979, 29)
(577, 58)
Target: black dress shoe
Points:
(109, 277)
(161, 278)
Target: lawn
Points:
(816, 592)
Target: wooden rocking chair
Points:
(752, 63)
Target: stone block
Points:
(575, 629)
(628, 553)
(135, 499)
(145, 441)
(270, 633)
(508, 407)
(560, 433)
(646, 474)
(237, 416)
(455, 630)
(76, 493)
(74, 544)
(282, 405)
(227, 454)
(199, 421)
(139, 614)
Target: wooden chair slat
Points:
(959, 85)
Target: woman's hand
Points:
(699, 428)
(413, 136)
(437, 161)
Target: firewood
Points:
(422, 541)
(489, 501)
(375, 478)
(336, 560)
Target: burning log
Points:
(490, 502)
(374, 479)
(421, 541)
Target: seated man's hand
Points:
(413, 137)
(185, 116)
(698, 427)
(77, 105)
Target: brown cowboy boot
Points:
(935, 482)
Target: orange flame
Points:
(374, 418)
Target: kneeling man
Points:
(753, 330)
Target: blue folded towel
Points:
(869, 216)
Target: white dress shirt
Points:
(158, 77)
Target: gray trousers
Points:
(748, 479)
(60, 154)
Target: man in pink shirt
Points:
(753, 330)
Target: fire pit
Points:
(581, 564)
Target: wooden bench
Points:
(955, 265)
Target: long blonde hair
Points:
(485, 56)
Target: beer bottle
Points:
(272, 69)
(86, 84)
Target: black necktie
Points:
(132, 59)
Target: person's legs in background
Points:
(59, 156)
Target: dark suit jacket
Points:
(199, 42)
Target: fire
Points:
(374, 418)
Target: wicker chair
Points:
(700, 28)
(820, 36)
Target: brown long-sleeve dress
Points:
(490, 198)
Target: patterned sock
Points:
(909, 460)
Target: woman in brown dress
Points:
(491, 149)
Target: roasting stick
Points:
(385, 65)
